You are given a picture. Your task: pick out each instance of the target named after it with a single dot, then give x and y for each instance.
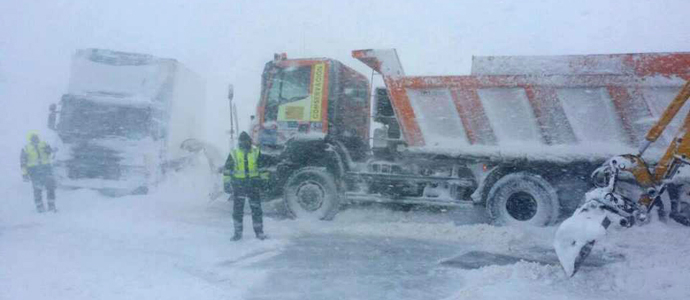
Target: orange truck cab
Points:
(312, 98)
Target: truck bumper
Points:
(134, 183)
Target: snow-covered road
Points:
(341, 266)
(169, 245)
(174, 244)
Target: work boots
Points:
(236, 237)
(238, 231)
(39, 202)
(258, 230)
(51, 206)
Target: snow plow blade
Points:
(577, 235)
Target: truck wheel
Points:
(311, 193)
(523, 199)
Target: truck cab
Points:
(311, 99)
(124, 120)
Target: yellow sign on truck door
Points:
(295, 111)
(318, 83)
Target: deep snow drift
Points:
(174, 244)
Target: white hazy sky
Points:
(229, 41)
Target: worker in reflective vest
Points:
(242, 179)
(36, 167)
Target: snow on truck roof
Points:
(119, 58)
(133, 76)
(114, 99)
(551, 108)
(633, 64)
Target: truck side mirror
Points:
(383, 103)
(52, 116)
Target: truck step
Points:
(432, 201)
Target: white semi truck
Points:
(126, 118)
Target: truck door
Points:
(295, 102)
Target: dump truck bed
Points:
(551, 108)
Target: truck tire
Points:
(311, 193)
(523, 199)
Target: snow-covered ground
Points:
(164, 246)
(174, 244)
(656, 261)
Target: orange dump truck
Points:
(520, 135)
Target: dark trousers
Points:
(42, 177)
(249, 188)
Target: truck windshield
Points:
(86, 119)
(288, 85)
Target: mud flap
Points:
(577, 235)
(682, 215)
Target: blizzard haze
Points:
(230, 41)
(175, 245)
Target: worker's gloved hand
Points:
(25, 178)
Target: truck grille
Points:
(93, 162)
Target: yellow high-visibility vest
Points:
(37, 154)
(252, 157)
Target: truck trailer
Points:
(125, 119)
(520, 135)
